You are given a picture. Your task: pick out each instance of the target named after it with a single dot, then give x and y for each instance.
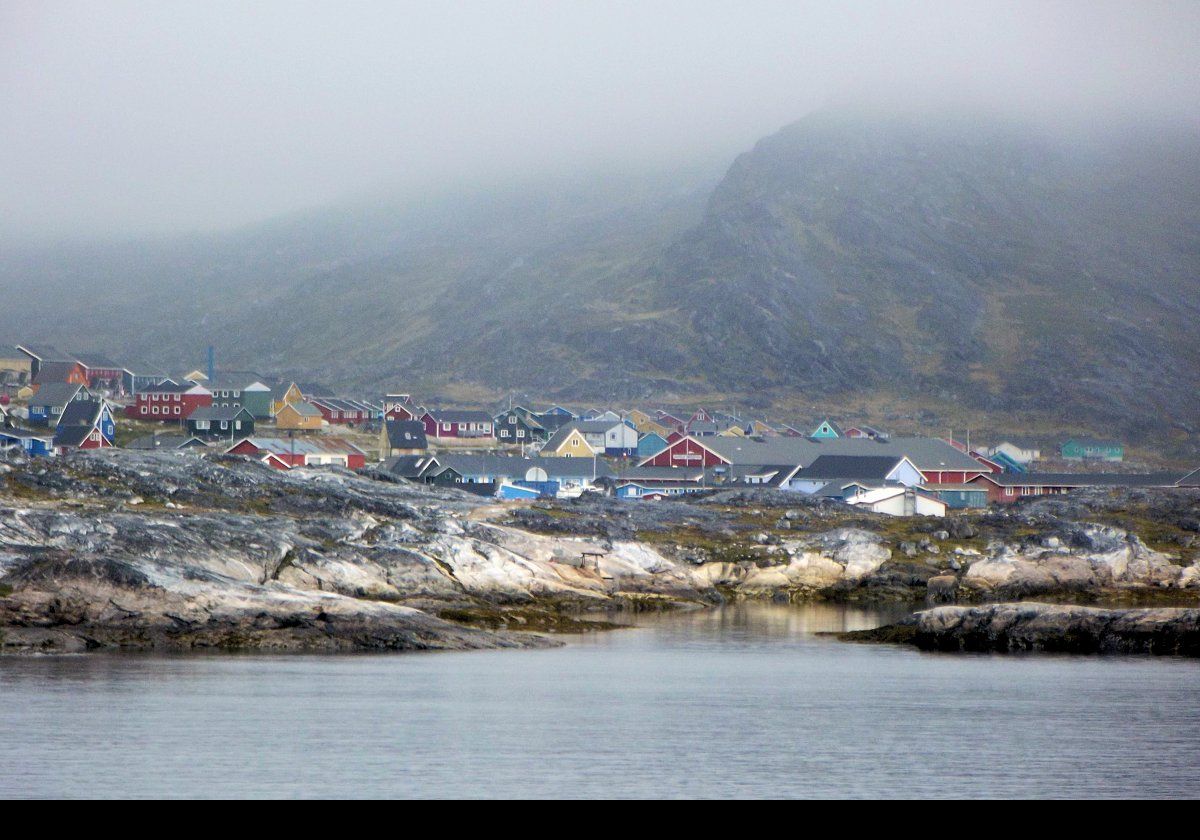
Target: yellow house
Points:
(645, 424)
(291, 396)
(571, 445)
(299, 417)
(732, 431)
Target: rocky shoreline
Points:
(1050, 628)
(125, 550)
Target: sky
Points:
(131, 118)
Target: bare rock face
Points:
(156, 549)
(1068, 629)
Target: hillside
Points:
(928, 260)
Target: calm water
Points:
(743, 701)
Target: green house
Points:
(1090, 449)
(827, 429)
(242, 392)
(961, 496)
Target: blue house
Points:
(31, 443)
(85, 424)
(827, 429)
(1010, 464)
(650, 443)
(52, 399)
(517, 491)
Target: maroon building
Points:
(169, 402)
(458, 424)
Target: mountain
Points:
(949, 260)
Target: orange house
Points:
(299, 417)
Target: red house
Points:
(685, 452)
(458, 424)
(399, 407)
(169, 402)
(285, 453)
(102, 373)
(339, 412)
(991, 465)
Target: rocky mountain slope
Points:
(934, 258)
(160, 550)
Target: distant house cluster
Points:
(53, 403)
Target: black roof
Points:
(80, 413)
(71, 435)
(406, 434)
(850, 466)
(55, 393)
(219, 412)
(461, 416)
(55, 372)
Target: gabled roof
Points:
(850, 466)
(837, 430)
(166, 442)
(837, 489)
(225, 382)
(185, 387)
(880, 494)
(55, 393)
(584, 427)
(140, 367)
(460, 416)
(405, 434)
(55, 372)
(927, 454)
(319, 445)
(525, 415)
(302, 408)
(81, 413)
(1091, 441)
(1019, 442)
(341, 404)
(313, 389)
(570, 467)
(96, 360)
(44, 353)
(490, 465)
(227, 413)
(410, 466)
(71, 435)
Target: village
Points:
(55, 404)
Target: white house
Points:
(876, 469)
(898, 501)
(1021, 453)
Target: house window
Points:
(520, 433)
(504, 433)
(445, 427)
(202, 425)
(176, 409)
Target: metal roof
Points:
(927, 454)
